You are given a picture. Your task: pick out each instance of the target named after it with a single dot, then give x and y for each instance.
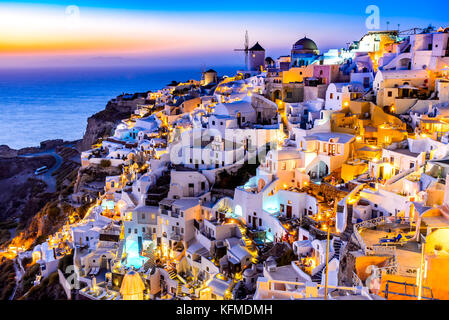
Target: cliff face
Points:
(93, 173)
(104, 122)
(21, 194)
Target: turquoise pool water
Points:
(134, 259)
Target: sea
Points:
(39, 104)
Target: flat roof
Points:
(436, 221)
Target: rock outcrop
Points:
(104, 122)
(93, 173)
(7, 152)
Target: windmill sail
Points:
(246, 49)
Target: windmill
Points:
(246, 50)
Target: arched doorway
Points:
(323, 169)
(319, 171)
(404, 64)
(103, 262)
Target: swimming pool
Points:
(134, 259)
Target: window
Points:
(390, 93)
(143, 229)
(331, 96)
(213, 123)
(203, 185)
(143, 215)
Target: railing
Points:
(356, 282)
(270, 287)
(366, 224)
(380, 251)
(400, 176)
(392, 269)
(370, 223)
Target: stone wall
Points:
(328, 191)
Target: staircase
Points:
(175, 276)
(179, 288)
(338, 247)
(149, 264)
(317, 277)
(171, 272)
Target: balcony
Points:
(176, 237)
(208, 236)
(147, 236)
(165, 212)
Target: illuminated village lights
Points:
(324, 219)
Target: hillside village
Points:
(312, 175)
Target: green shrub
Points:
(105, 163)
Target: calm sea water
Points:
(41, 104)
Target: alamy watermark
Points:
(72, 17)
(372, 22)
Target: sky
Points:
(138, 32)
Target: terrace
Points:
(385, 236)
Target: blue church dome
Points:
(305, 44)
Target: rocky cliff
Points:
(21, 194)
(104, 122)
(93, 173)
